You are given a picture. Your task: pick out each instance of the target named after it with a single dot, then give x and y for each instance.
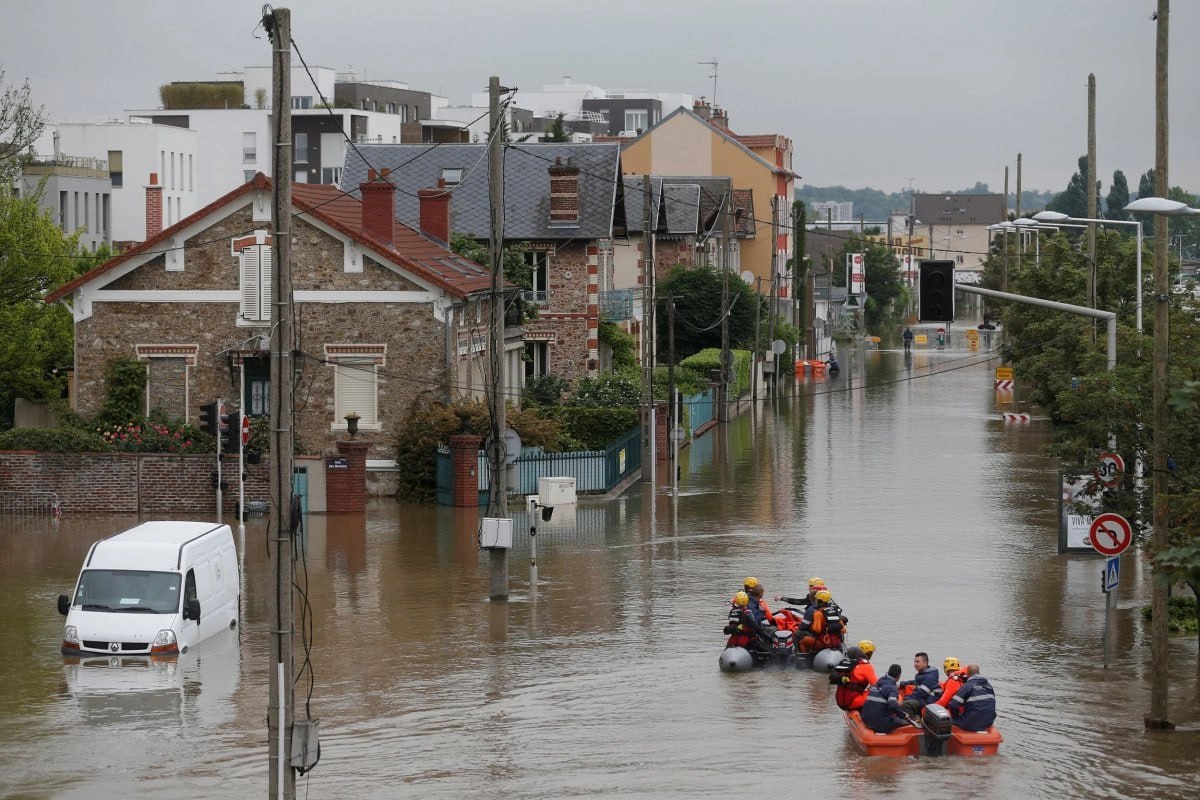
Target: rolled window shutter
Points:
(356, 388)
(250, 291)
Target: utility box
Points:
(556, 491)
(496, 533)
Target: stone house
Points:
(563, 203)
(383, 314)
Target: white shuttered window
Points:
(256, 283)
(357, 390)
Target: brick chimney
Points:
(702, 109)
(379, 206)
(435, 211)
(564, 192)
(154, 210)
(720, 118)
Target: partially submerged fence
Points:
(14, 503)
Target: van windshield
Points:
(128, 591)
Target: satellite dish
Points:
(748, 277)
(778, 346)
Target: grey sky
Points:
(873, 92)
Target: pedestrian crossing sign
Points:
(1112, 573)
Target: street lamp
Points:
(1058, 216)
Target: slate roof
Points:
(526, 185)
(688, 201)
(962, 209)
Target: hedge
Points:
(704, 362)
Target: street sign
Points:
(245, 431)
(1112, 573)
(1110, 534)
(1108, 472)
(1004, 373)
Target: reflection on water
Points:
(932, 521)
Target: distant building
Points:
(957, 225)
(77, 192)
(831, 210)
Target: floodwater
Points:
(932, 521)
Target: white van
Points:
(156, 589)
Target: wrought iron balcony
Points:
(541, 298)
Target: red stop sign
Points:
(245, 431)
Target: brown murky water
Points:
(932, 521)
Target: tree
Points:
(881, 280)
(1073, 201)
(558, 131)
(697, 293)
(1146, 184)
(1118, 197)
(20, 126)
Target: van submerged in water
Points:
(156, 590)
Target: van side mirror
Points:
(64, 604)
(191, 610)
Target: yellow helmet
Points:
(750, 583)
(741, 599)
(867, 646)
(815, 582)
(824, 596)
(951, 664)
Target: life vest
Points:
(741, 632)
(835, 621)
(851, 694)
(950, 687)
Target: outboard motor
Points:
(827, 659)
(783, 646)
(936, 722)
(735, 659)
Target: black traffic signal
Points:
(231, 431)
(209, 412)
(936, 287)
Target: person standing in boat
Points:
(881, 712)
(815, 584)
(974, 705)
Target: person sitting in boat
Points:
(954, 681)
(974, 705)
(853, 676)
(815, 626)
(924, 688)
(881, 712)
(758, 606)
(743, 628)
(814, 585)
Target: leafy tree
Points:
(515, 268)
(882, 281)
(697, 291)
(1146, 184)
(1118, 197)
(1074, 200)
(20, 126)
(622, 345)
(545, 390)
(558, 131)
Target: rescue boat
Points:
(935, 737)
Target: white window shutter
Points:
(251, 301)
(266, 261)
(356, 389)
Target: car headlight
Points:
(165, 638)
(71, 634)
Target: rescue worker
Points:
(754, 588)
(924, 688)
(814, 584)
(881, 712)
(908, 338)
(742, 627)
(815, 624)
(854, 676)
(954, 681)
(974, 704)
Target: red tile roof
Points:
(411, 251)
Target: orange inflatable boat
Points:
(935, 737)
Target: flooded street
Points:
(932, 521)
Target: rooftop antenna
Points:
(712, 64)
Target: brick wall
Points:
(572, 315)
(130, 483)
(346, 478)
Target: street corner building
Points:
(384, 313)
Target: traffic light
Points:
(209, 413)
(936, 287)
(231, 431)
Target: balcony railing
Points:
(541, 298)
(616, 305)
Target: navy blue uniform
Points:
(974, 705)
(926, 687)
(881, 713)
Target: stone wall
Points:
(572, 314)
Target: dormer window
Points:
(452, 175)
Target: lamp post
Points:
(1058, 216)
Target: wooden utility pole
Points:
(726, 355)
(1004, 274)
(1158, 487)
(757, 337)
(1090, 186)
(498, 493)
(804, 300)
(649, 222)
(283, 521)
(1020, 234)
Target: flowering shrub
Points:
(155, 437)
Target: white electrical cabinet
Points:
(556, 491)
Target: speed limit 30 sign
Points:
(1110, 469)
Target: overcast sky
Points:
(872, 92)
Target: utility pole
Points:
(1092, 205)
(726, 355)
(1004, 274)
(498, 494)
(757, 336)
(1020, 241)
(282, 523)
(649, 222)
(673, 415)
(1159, 673)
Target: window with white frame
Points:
(301, 148)
(356, 383)
(637, 119)
(538, 260)
(256, 263)
(249, 148)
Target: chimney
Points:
(154, 207)
(564, 192)
(379, 206)
(701, 108)
(435, 211)
(720, 118)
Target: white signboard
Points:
(857, 273)
(1074, 527)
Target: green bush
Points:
(53, 440)
(622, 344)
(1181, 614)
(704, 362)
(545, 390)
(201, 95)
(141, 436)
(594, 428)
(608, 391)
(125, 391)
